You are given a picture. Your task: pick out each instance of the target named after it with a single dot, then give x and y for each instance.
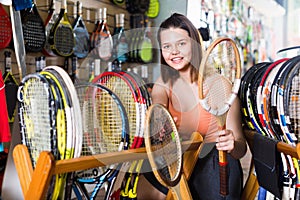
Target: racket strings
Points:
(4, 31)
(34, 32)
(218, 91)
(37, 122)
(122, 90)
(110, 122)
(162, 139)
(63, 45)
(102, 125)
(294, 105)
(222, 60)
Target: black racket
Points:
(61, 36)
(49, 22)
(11, 87)
(33, 29)
(81, 34)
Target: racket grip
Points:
(223, 173)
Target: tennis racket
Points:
(49, 22)
(81, 34)
(245, 81)
(123, 85)
(289, 101)
(259, 97)
(274, 93)
(104, 39)
(106, 129)
(74, 138)
(66, 128)
(126, 92)
(129, 186)
(98, 21)
(164, 150)
(251, 98)
(5, 28)
(219, 81)
(61, 37)
(33, 29)
(37, 113)
(11, 87)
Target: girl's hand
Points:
(225, 141)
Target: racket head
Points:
(245, 82)
(49, 23)
(290, 105)
(105, 124)
(81, 35)
(124, 89)
(37, 116)
(219, 76)
(61, 36)
(163, 145)
(76, 119)
(33, 29)
(154, 8)
(5, 29)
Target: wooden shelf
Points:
(34, 182)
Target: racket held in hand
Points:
(219, 80)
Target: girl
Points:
(177, 89)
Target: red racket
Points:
(5, 28)
(219, 81)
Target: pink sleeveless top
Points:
(196, 119)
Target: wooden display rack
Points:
(34, 182)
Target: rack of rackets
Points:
(270, 105)
(115, 124)
(70, 121)
(270, 99)
(48, 104)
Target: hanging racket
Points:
(49, 22)
(81, 34)
(61, 36)
(5, 28)
(11, 87)
(33, 29)
(219, 81)
(154, 8)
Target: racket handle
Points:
(223, 173)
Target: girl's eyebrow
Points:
(180, 40)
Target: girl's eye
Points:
(166, 47)
(181, 44)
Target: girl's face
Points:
(176, 48)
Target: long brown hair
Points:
(177, 20)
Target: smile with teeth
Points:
(177, 59)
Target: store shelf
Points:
(34, 182)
